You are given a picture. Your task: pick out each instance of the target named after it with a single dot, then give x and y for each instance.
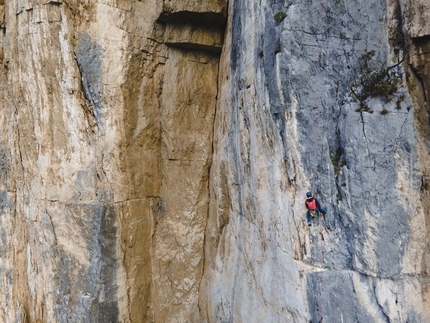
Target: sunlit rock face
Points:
(155, 155)
(106, 143)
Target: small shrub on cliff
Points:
(279, 16)
(374, 81)
(336, 157)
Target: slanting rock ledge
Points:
(194, 36)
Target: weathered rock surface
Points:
(287, 123)
(106, 144)
(147, 178)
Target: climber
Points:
(313, 207)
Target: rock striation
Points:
(155, 155)
(107, 126)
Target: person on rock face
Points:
(313, 207)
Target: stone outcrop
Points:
(155, 155)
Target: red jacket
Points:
(312, 204)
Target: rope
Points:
(321, 273)
(317, 94)
(320, 309)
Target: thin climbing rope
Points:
(320, 308)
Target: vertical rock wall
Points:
(106, 142)
(143, 179)
(417, 29)
(287, 122)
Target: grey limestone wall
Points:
(286, 123)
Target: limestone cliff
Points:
(106, 143)
(155, 155)
(288, 121)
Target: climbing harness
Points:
(313, 213)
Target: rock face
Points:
(106, 144)
(287, 122)
(155, 157)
